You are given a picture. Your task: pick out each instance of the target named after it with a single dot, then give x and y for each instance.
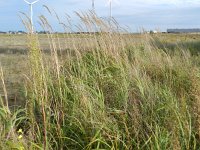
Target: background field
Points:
(14, 49)
(14, 56)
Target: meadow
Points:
(111, 90)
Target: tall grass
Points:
(106, 92)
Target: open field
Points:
(14, 57)
(14, 52)
(10, 43)
(14, 67)
(106, 91)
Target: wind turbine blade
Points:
(27, 2)
(30, 3)
(35, 2)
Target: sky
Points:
(131, 14)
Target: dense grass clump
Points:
(108, 94)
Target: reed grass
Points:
(106, 94)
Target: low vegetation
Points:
(111, 93)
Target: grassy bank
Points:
(110, 93)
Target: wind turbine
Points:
(93, 5)
(31, 11)
(110, 3)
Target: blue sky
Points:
(136, 14)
